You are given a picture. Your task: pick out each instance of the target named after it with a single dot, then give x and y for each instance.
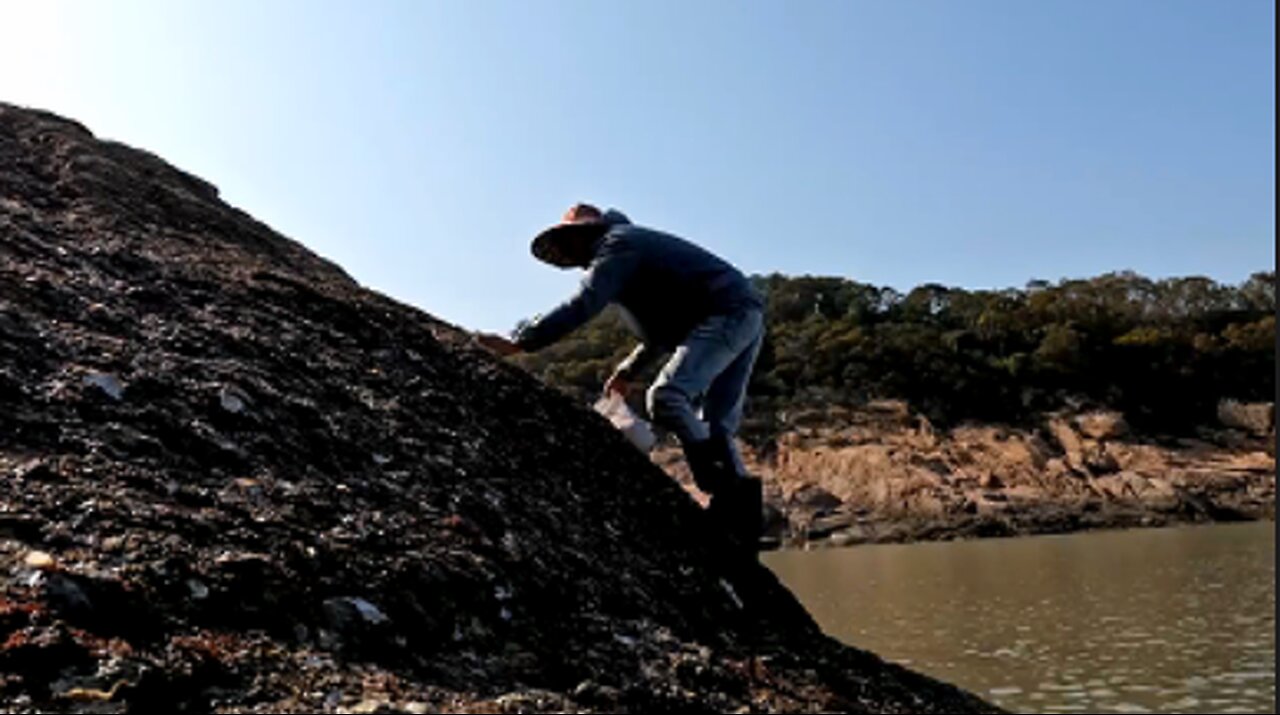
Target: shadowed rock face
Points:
(234, 479)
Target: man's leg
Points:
(738, 508)
(710, 349)
(722, 407)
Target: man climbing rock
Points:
(680, 300)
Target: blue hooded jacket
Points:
(664, 285)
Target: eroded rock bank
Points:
(882, 473)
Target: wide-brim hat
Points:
(546, 244)
(580, 221)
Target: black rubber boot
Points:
(749, 508)
(712, 471)
(737, 500)
(737, 512)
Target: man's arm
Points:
(621, 379)
(496, 344)
(604, 279)
(637, 361)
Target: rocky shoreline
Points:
(882, 474)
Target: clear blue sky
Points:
(421, 143)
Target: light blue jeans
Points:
(710, 368)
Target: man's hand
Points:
(497, 344)
(619, 384)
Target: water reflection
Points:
(1171, 620)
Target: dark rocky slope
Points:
(233, 479)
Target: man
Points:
(678, 299)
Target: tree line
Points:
(1162, 351)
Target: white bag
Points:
(636, 428)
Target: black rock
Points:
(227, 409)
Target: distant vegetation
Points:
(1163, 351)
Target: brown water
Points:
(1161, 620)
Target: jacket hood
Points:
(614, 217)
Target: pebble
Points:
(39, 560)
(109, 384)
(232, 400)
